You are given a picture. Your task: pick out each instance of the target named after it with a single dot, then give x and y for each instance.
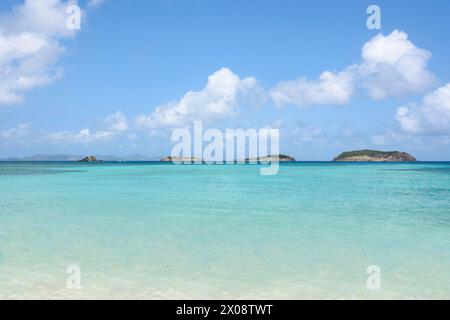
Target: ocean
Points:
(150, 230)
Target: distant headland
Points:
(374, 156)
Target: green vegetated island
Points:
(374, 156)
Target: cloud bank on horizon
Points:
(113, 126)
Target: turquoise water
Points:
(158, 231)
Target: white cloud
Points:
(30, 46)
(330, 89)
(220, 98)
(431, 116)
(436, 107)
(83, 136)
(26, 61)
(307, 134)
(408, 119)
(96, 3)
(378, 139)
(42, 17)
(391, 66)
(116, 122)
(302, 133)
(115, 125)
(19, 132)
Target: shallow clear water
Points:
(154, 230)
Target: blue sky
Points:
(96, 90)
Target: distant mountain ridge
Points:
(70, 157)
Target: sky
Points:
(136, 70)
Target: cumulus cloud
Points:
(30, 46)
(408, 119)
(390, 66)
(113, 125)
(393, 66)
(116, 122)
(83, 136)
(220, 98)
(21, 131)
(40, 17)
(431, 116)
(330, 89)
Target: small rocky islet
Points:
(89, 159)
(270, 158)
(180, 159)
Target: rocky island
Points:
(181, 159)
(270, 158)
(374, 156)
(89, 159)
